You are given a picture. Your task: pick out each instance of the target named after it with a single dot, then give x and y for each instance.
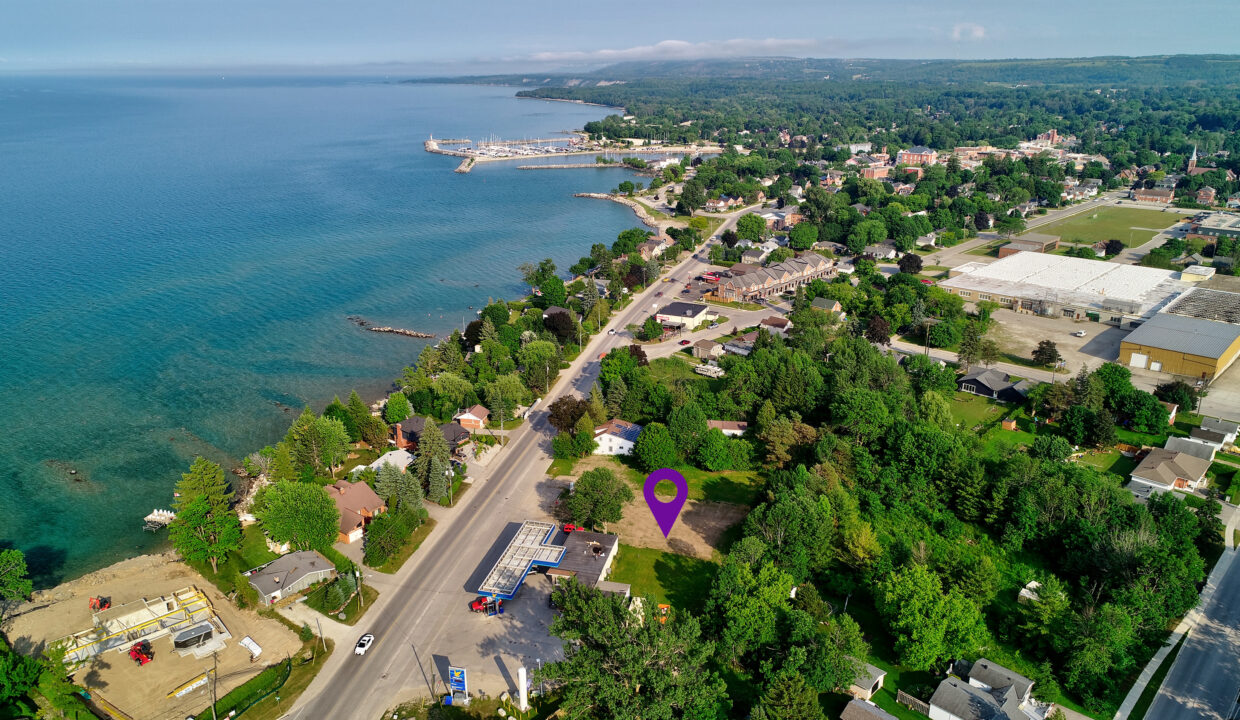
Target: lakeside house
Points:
(358, 505)
(407, 432)
(289, 574)
(474, 418)
(399, 458)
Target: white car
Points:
(612, 331)
(364, 644)
(1079, 333)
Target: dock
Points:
(571, 166)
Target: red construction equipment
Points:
(141, 652)
(572, 528)
(100, 603)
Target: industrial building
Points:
(1197, 336)
(1063, 286)
(1212, 226)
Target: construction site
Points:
(153, 641)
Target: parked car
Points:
(569, 527)
(1079, 333)
(684, 342)
(364, 644)
(659, 294)
(714, 325)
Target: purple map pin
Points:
(665, 513)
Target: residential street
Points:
(1204, 682)
(422, 622)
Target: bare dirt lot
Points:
(141, 692)
(697, 533)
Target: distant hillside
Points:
(1148, 71)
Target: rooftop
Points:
(1208, 305)
(862, 710)
(288, 569)
(1129, 289)
(1204, 338)
(529, 547)
(585, 553)
(1164, 466)
(683, 309)
(1220, 221)
(620, 428)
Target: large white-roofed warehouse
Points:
(1197, 336)
(1063, 286)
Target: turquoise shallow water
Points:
(178, 258)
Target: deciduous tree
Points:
(201, 532)
(598, 497)
(300, 514)
(655, 448)
(621, 665)
(397, 408)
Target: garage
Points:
(1138, 360)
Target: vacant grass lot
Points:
(1132, 226)
(680, 581)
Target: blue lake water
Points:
(178, 258)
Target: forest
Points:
(906, 537)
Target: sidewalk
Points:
(1188, 623)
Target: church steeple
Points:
(1192, 161)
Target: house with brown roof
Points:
(776, 325)
(1164, 470)
(1152, 195)
(1206, 195)
(731, 428)
(358, 505)
(707, 350)
(474, 418)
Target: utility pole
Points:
(215, 666)
(358, 574)
(321, 638)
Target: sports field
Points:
(1132, 226)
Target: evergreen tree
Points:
(335, 597)
(615, 398)
(789, 698)
(487, 333)
(439, 481)
(432, 452)
(333, 442)
(409, 493)
(598, 407)
(387, 482)
(205, 479)
(357, 410)
(337, 410)
(303, 440)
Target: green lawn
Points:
(739, 487)
(353, 611)
(1156, 681)
(681, 581)
(973, 410)
(411, 546)
(561, 467)
(229, 580)
(1225, 478)
(1110, 223)
(1112, 462)
(672, 368)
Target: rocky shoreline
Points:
(364, 323)
(633, 205)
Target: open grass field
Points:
(1132, 226)
(682, 582)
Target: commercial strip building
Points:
(1070, 287)
(584, 556)
(775, 279)
(1197, 336)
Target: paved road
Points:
(419, 621)
(1204, 682)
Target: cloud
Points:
(968, 31)
(681, 50)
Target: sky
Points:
(431, 37)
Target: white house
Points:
(399, 458)
(1226, 428)
(616, 437)
(684, 314)
(731, 428)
